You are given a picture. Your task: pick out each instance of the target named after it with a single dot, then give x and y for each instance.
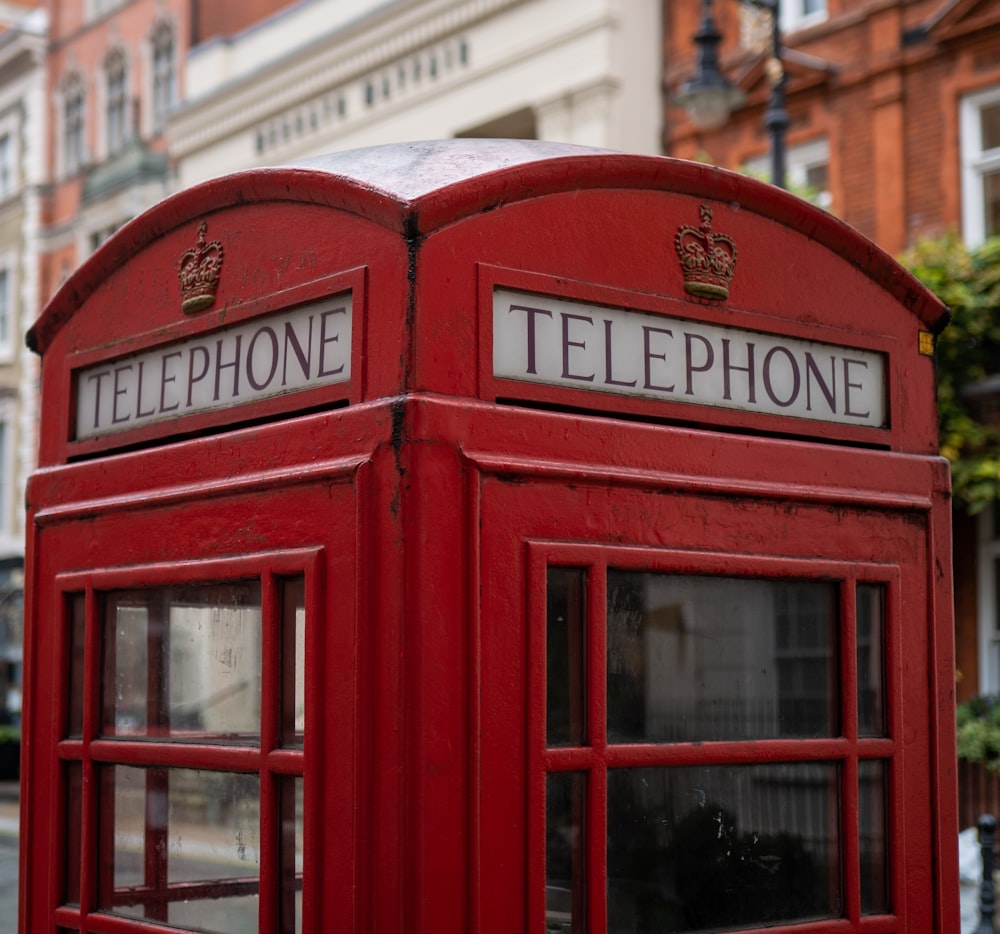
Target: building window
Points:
(6, 165)
(73, 116)
(163, 73)
(6, 480)
(797, 14)
(989, 600)
(6, 327)
(980, 142)
(98, 8)
(117, 102)
(98, 236)
(807, 169)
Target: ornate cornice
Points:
(396, 32)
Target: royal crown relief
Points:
(708, 259)
(198, 271)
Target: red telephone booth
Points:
(488, 537)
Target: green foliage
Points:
(968, 350)
(978, 723)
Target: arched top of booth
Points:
(518, 273)
(417, 188)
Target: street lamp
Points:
(709, 97)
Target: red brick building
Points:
(115, 70)
(894, 110)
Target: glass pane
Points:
(697, 849)
(564, 852)
(74, 832)
(991, 196)
(185, 847)
(871, 659)
(564, 656)
(293, 675)
(291, 857)
(818, 176)
(184, 662)
(873, 836)
(996, 593)
(715, 658)
(990, 117)
(76, 614)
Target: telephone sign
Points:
(276, 354)
(565, 343)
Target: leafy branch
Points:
(968, 352)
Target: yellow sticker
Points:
(927, 343)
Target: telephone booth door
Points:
(180, 730)
(716, 733)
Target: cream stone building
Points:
(22, 141)
(327, 75)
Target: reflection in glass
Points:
(183, 661)
(293, 636)
(564, 656)
(871, 659)
(564, 852)
(76, 615)
(990, 116)
(74, 832)
(697, 849)
(186, 847)
(290, 857)
(873, 836)
(717, 658)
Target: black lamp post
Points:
(709, 97)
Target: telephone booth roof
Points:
(662, 262)
(416, 188)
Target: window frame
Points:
(9, 175)
(794, 17)
(73, 123)
(988, 602)
(8, 305)
(597, 755)
(92, 751)
(116, 101)
(976, 163)
(162, 73)
(799, 159)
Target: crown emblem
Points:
(708, 260)
(199, 271)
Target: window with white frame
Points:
(797, 14)
(73, 125)
(97, 8)
(979, 126)
(806, 168)
(756, 20)
(989, 600)
(116, 104)
(164, 72)
(6, 473)
(6, 164)
(97, 236)
(6, 310)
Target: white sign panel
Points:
(565, 343)
(299, 349)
